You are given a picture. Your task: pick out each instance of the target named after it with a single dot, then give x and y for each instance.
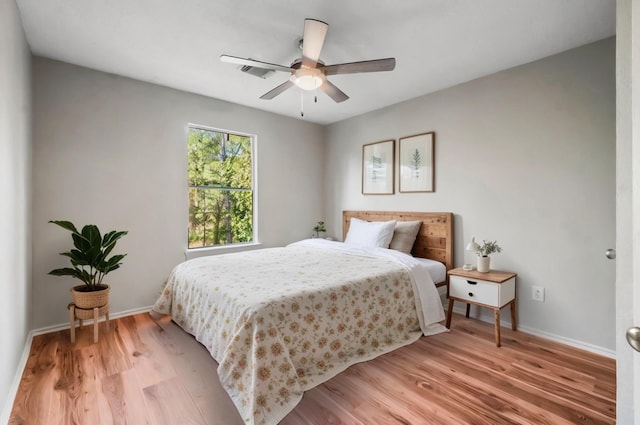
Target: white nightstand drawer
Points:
(481, 291)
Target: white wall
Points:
(112, 151)
(525, 157)
(15, 194)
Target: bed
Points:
(280, 321)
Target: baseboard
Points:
(568, 341)
(13, 390)
(546, 335)
(55, 328)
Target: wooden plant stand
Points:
(87, 313)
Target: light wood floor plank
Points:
(149, 371)
(79, 383)
(507, 385)
(35, 394)
(320, 408)
(147, 351)
(171, 404)
(193, 363)
(562, 400)
(126, 400)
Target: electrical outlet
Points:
(537, 293)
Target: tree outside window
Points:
(220, 188)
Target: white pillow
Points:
(370, 233)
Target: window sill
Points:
(216, 250)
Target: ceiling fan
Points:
(309, 72)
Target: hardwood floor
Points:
(147, 371)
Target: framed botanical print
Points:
(378, 173)
(417, 169)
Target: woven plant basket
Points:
(90, 299)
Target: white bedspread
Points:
(280, 321)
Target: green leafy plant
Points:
(319, 228)
(89, 256)
(488, 248)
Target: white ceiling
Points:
(436, 43)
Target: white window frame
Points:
(240, 246)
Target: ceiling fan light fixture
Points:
(308, 72)
(308, 78)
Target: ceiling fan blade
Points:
(375, 65)
(276, 91)
(312, 40)
(252, 62)
(333, 92)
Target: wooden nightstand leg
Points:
(468, 307)
(449, 311)
(514, 325)
(496, 316)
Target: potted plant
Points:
(319, 228)
(90, 263)
(487, 248)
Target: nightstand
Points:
(493, 290)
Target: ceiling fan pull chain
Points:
(301, 103)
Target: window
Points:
(221, 198)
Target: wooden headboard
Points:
(434, 240)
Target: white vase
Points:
(484, 264)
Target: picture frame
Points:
(378, 168)
(417, 163)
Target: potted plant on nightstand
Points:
(319, 228)
(487, 248)
(90, 263)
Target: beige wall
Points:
(112, 151)
(15, 196)
(525, 157)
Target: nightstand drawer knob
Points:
(471, 282)
(471, 294)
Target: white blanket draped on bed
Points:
(280, 321)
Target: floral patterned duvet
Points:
(280, 321)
